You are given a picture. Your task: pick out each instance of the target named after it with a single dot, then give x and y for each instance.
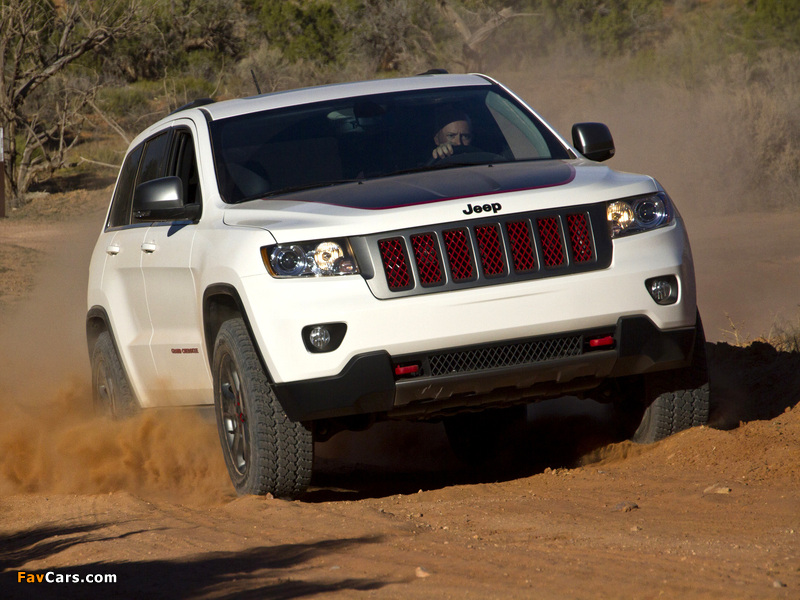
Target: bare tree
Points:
(473, 37)
(42, 103)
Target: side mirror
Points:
(161, 200)
(593, 140)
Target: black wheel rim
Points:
(233, 416)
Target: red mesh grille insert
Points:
(550, 235)
(579, 237)
(491, 250)
(458, 254)
(395, 264)
(427, 257)
(522, 253)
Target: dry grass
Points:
(783, 335)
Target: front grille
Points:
(522, 251)
(395, 263)
(505, 355)
(458, 254)
(580, 237)
(491, 250)
(426, 253)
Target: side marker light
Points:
(400, 370)
(602, 342)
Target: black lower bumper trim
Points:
(643, 347)
(367, 384)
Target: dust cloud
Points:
(60, 446)
(683, 138)
(50, 439)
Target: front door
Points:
(183, 374)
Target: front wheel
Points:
(264, 451)
(678, 399)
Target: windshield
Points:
(264, 154)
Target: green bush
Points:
(124, 101)
(608, 27)
(309, 30)
(776, 22)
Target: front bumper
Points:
(280, 310)
(511, 371)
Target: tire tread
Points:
(282, 460)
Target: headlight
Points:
(635, 215)
(310, 259)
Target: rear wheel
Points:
(675, 400)
(264, 451)
(111, 393)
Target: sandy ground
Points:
(713, 512)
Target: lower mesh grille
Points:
(505, 355)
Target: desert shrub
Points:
(700, 38)
(172, 33)
(183, 89)
(608, 27)
(267, 65)
(120, 101)
(765, 100)
(273, 72)
(396, 35)
(308, 30)
(775, 22)
(784, 335)
(131, 107)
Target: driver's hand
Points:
(443, 151)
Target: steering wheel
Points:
(467, 155)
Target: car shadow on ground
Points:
(258, 572)
(756, 382)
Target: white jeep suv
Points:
(308, 261)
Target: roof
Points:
(228, 108)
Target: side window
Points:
(183, 164)
(153, 161)
(120, 212)
(155, 153)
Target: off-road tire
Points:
(111, 392)
(264, 451)
(676, 400)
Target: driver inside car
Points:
(455, 130)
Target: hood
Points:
(414, 199)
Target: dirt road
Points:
(710, 513)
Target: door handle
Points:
(112, 249)
(149, 247)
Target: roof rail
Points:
(434, 72)
(193, 104)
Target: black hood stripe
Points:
(413, 189)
